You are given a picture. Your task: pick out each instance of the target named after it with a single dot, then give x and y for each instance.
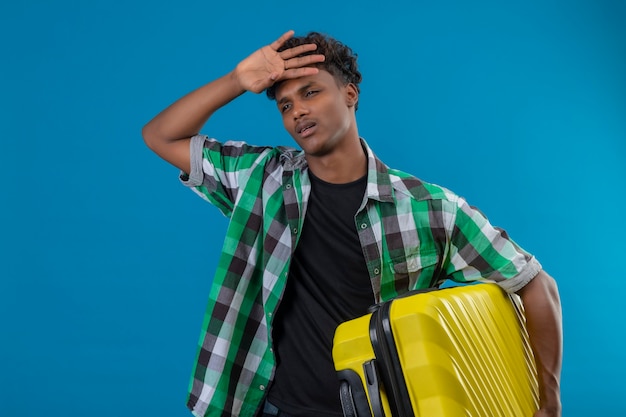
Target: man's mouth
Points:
(305, 128)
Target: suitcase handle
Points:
(373, 387)
(352, 394)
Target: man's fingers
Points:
(298, 72)
(297, 50)
(303, 61)
(280, 41)
(293, 63)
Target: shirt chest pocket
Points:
(414, 271)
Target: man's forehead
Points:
(292, 86)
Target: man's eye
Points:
(310, 93)
(285, 107)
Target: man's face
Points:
(317, 112)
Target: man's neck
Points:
(341, 166)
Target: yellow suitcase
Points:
(453, 352)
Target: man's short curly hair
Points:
(340, 60)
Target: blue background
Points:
(106, 260)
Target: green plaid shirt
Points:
(414, 235)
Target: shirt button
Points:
(288, 186)
(363, 225)
(295, 230)
(376, 271)
(262, 387)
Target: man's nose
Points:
(299, 110)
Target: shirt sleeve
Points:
(480, 251)
(220, 170)
(205, 178)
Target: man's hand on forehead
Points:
(296, 66)
(269, 65)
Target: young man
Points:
(318, 235)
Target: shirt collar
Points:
(378, 181)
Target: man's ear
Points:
(352, 94)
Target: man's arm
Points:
(169, 133)
(543, 319)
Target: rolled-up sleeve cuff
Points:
(196, 176)
(526, 275)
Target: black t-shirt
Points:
(328, 284)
